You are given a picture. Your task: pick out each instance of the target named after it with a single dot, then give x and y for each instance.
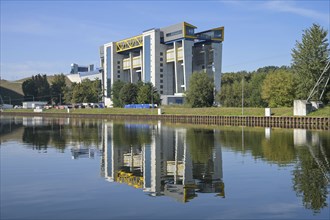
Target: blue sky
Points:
(47, 36)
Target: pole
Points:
(242, 95)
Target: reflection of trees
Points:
(58, 135)
(37, 136)
(131, 134)
(86, 132)
(201, 144)
(233, 139)
(312, 166)
(279, 148)
(59, 138)
(309, 179)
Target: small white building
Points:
(6, 106)
(33, 105)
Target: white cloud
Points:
(291, 7)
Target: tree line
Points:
(38, 88)
(59, 92)
(123, 93)
(270, 86)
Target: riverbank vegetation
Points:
(182, 110)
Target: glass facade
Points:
(108, 71)
(146, 51)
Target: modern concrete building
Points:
(166, 57)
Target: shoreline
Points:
(303, 122)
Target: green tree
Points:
(148, 94)
(28, 87)
(309, 57)
(115, 91)
(254, 88)
(77, 93)
(278, 88)
(91, 90)
(68, 93)
(230, 94)
(128, 94)
(86, 91)
(38, 87)
(201, 90)
(58, 88)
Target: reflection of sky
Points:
(262, 188)
(40, 185)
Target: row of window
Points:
(118, 71)
(161, 70)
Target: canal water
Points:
(67, 168)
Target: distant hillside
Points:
(13, 89)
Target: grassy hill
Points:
(11, 92)
(13, 89)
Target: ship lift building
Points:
(166, 57)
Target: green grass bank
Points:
(176, 110)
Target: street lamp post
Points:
(242, 95)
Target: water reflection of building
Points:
(82, 153)
(162, 163)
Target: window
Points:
(161, 92)
(161, 86)
(218, 34)
(189, 31)
(161, 75)
(118, 67)
(118, 76)
(161, 59)
(161, 64)
(174, 33)
(161, 70)
(118, 71)
(118, 62)
(161, 81)
(161, 53)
